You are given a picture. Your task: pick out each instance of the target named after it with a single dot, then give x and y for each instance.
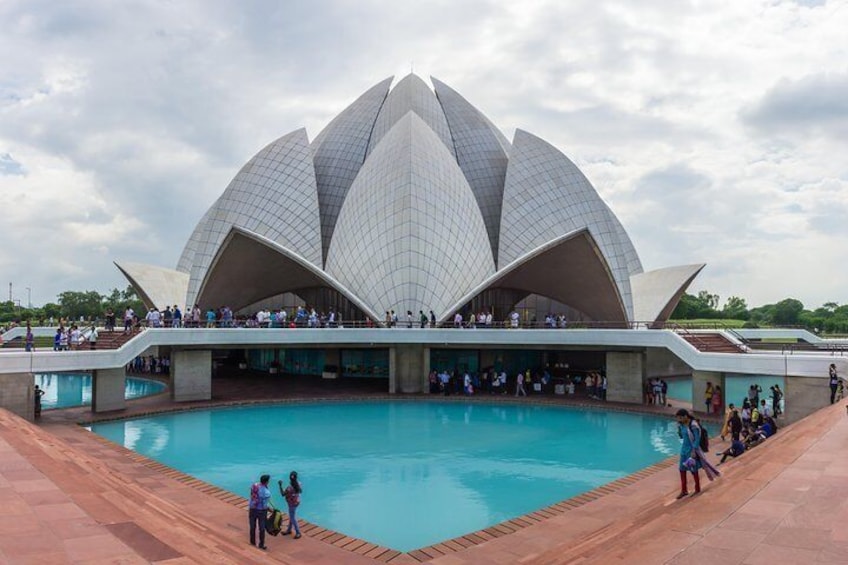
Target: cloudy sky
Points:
(716, 130)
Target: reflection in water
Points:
(406, 475)
(64, 390)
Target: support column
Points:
(804, 395)
(108, 390)
(699, 386)
(408, 369)
(191, 375)
(16, 394)
(625, 376)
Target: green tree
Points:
(85, 304)
(736, 308)
(710, 300)
(787, 312)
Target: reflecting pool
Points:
(65, 390)
(405, 474)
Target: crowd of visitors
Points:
(491, 382)
(150, 364)
(308, 317)
(656, 390)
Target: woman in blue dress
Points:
(690, 462)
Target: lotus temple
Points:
(497, 256)
(412, 200)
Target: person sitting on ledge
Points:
(736, 449)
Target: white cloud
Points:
(715, 130)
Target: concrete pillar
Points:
(108, 390)
(662, 363)
(699, 386)
(804, 395)
(409, 366)
(16, 394)
(625, 375)
(191, 375)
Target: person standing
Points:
(708, 396)
(834, 382)
(29, 340)
(292, 496)
(692, 456)
(260, 498)
(129, 316)
(776, 397)
(37, 393)
(725, 427)
(110, 320)
(432, 319)
(519, 385)
(716, 399)
(92, 338)
(689, 461)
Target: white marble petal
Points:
(410, 235)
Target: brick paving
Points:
(67, 496)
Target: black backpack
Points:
(274, 522)
(705, 439)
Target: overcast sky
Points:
(716, 130)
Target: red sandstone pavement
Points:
(68, 497)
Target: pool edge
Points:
(364, 547)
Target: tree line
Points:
(73, 305)
(829, 318)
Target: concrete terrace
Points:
(807, 365)
(67, 496)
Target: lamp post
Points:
(29, 297)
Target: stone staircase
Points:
(711, 342)
(112, 340)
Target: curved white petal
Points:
(274, 195)
(549, 270)
(248, 267)
(410, 235)
(157, 286)
(656, 293)
(545, 196)
(411, 94)
(339, 151)
(482, 153)
(187, 256)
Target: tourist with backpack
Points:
(260, 500)
(692, 453)
(292, 496)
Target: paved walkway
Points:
(68, 497)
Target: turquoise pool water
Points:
(64, 390)
(405, 474)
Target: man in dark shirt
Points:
(736, 449)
